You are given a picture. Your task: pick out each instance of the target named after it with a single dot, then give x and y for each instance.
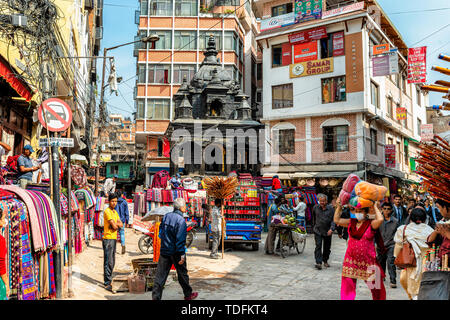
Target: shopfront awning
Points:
(18, 85)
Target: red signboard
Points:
(389, 155)
(401, 113)
(417, 65)
(55, 115)
(308, 35)
(305, 52)
(286, 54)
(338, 44)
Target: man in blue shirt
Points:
(172, 232)
(124, 214)
(25, 166)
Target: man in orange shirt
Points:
(112, 223)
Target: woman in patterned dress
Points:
(360, 258)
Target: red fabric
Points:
(2, 255)
(166, 148)
(276, 184)
(15, 83)
(11, 162)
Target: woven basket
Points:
(298, 237)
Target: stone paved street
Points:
(243, 274)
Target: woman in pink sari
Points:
(360, 258)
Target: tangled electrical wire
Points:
(39, 41)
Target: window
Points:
(398, 157)
(204, 37)
(282, 96)
(374, 94)
(335, 139)
(241, 51)
(144, 7)
(158, 73)
(160, 147)
(165, 40)
(276, 55)
(158, 109)
(418, 95)
(259, 71)
(185, 40)
(404, 83)
(185, 7)
(332, 45)
(390, 141)
(114, 170)
(390, 107)
(141, 73)
(140, 108)
(161, 7)
(282, 9)
(373, 141)
(227, 3)
(333, 89)
(180, 71)
(286, 141)
(229, 40)
(419, 129)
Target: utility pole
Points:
(152, 38)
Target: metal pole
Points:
(100, 128)
(69, 224)
(56, 202)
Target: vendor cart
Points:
(286, 240)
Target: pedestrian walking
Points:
(112, 223)
(216, 227)
(360, 260)
(124, 214)
(399, 211)
(388, 229)
(270, 240)
(172, 232)
(418, 234)
(324, 226)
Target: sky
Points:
(416, 20)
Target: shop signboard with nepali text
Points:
(342, 10)
(311, 68)
(389, 156)
(305, 52)
(417, 65)
(426, 132)
(308, 35)
(401, 113)
(307, 10)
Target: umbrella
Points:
(161, 211)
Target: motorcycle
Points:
(145, 243)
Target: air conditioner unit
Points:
(99, 33)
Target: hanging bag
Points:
(406, 257)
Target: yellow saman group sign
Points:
(310, 68)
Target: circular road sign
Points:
(55, 115)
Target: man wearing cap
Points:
(26, 167)
(109, 187)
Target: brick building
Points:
(184, 27)
(325, 113)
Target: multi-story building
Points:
(183, 27)
(322, 105)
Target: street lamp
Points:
(149, 39)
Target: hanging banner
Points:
(393, 61)
(305, 52)
(389, 156)
(311, 68)
(308, 35)
(307, 10)
(417, 65)
(426, 132)
(342, 10)
(380, 66)
(401, 113)
(278, 21)
(380, 49)
(338, 44)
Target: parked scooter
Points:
(145, 243)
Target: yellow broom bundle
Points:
(220, 187)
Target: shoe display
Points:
(192, 296)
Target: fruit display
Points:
(291, 221)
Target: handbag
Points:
(406, 257)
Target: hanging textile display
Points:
(87, 196)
